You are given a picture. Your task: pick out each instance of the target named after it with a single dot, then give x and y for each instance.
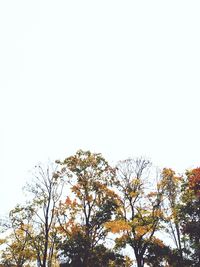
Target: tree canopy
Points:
(83, 212)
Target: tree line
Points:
(82, 212)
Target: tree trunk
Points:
(139, 259)
(140, 262)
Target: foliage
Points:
(100, 257)
(139, 215)
(190, 213)
(37, 218)
(172, 193)
(18, 248)
(157, 253)
(84, 212)
(83, 215)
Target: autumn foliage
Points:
(194, 181)
(84, 213)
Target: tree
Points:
(91, 203)
(45, 193)
(157, 254)
(100, 257)
(126, 206)
(17, 249)
(139, 215)
(172, 197)
(190, 213)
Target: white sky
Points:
(117, 77)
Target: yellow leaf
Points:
(118, 226)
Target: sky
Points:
(116, 77)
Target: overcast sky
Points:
(117, 77)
